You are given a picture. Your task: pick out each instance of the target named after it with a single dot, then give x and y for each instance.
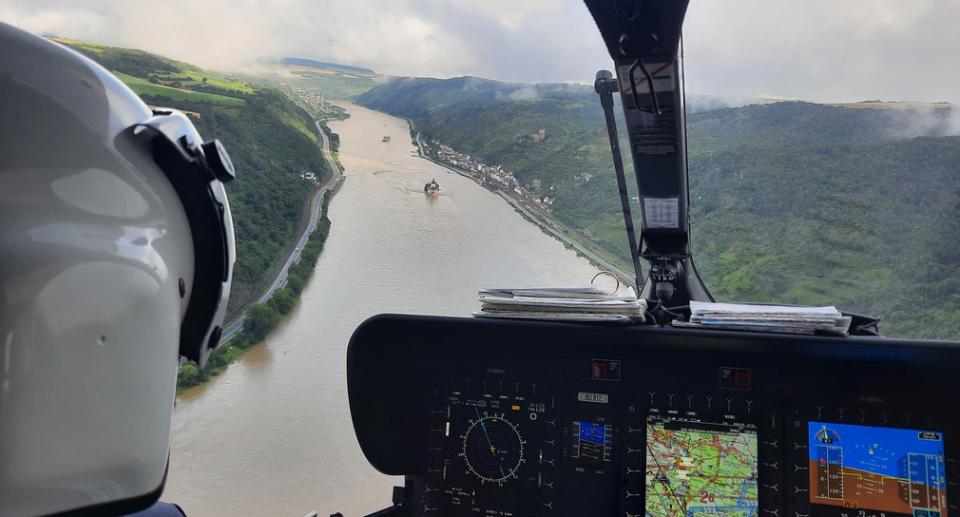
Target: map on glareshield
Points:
(698, 468)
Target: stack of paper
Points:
(562, 304)
(767, 318)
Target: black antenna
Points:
(605, 85)
(650, 86)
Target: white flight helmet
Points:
(116, 257)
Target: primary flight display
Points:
(895, 471)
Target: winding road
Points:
(293, 255)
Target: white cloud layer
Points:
(823, 50)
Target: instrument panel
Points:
(534, 419)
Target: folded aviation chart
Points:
(588, 304)
(766, 318)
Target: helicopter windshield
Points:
(397, 157)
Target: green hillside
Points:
(791, 202)
(270, 139)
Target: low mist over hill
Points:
(854, 205)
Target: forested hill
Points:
(270, 139)
(855, 205)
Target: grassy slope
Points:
(792, 202)
(145, 87)
(270, 140)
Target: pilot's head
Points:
(116, 252)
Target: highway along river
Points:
(272, 435)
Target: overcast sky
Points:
(822, 50)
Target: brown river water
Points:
(272, 435)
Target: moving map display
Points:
(697, 468)
(898, 471)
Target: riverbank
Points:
(256, 320)
(547, 222)
(261, 318)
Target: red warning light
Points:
(605, 370)
(739, 379)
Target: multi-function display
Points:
(696, 469)
(591, 443)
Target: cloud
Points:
(916, 122)
(820, 50)
(824, 50)
(524, 94)
(231, 34)
(699, 102)
(511, 13)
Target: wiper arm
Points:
(605, 85)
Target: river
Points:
(272, 435)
